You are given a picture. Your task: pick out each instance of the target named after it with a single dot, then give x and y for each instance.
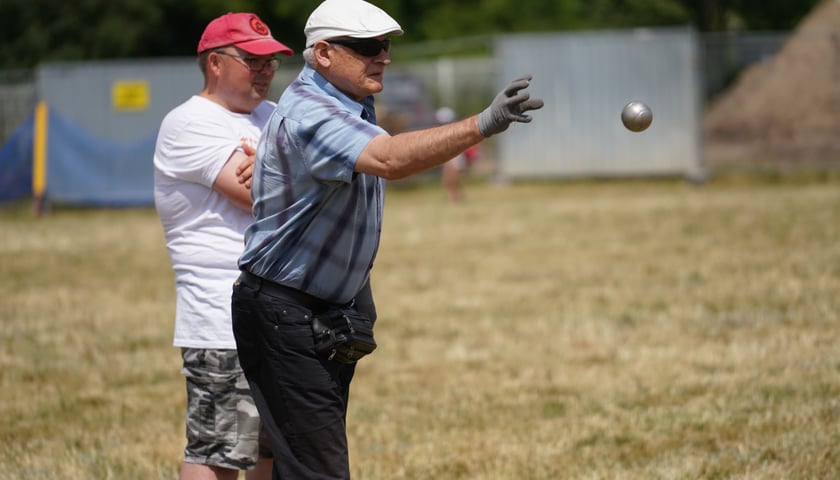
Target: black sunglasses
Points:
(369, 47)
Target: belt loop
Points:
(253, 281)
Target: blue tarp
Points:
(16, 163)
(81, 168)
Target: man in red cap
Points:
(203, 160)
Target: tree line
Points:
(36, 31)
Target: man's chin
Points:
(261, 92)
(375, 85)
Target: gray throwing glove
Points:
(508, 106)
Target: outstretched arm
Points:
(406, 154)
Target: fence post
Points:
(39, 156)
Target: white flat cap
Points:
(348, 18)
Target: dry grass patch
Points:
(606, 330)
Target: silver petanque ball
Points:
(636, 116)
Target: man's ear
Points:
(213, 62)
(323, 53)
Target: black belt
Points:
(276, 290)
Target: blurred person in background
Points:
(318, 189)
(454, 169)
(203, 162)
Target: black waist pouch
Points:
(344, 335)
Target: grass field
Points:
(592, 330)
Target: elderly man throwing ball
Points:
(318, 191)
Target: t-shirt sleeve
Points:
(196, 151)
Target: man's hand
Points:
(508, 106)
(245, 169)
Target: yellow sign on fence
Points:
(130, 95)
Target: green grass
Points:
(594, 330)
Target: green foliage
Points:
(772, 14)
(631, 13)
(34, 31)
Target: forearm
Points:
(227, 182)
(242, 200)
(409, 153)
(237, 194)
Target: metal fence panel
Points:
(585, 80)
(83, 92)
(17, 99)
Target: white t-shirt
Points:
(204, 230)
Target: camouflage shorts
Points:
(223, 427)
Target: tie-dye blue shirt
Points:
(317, 222)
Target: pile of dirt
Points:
(787, 108)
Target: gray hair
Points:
(309, 56)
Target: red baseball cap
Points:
(242, 30)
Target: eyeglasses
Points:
(368, 47)
(255, 64)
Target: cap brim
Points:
(394, 32)
(265, 46)
(316, 35)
